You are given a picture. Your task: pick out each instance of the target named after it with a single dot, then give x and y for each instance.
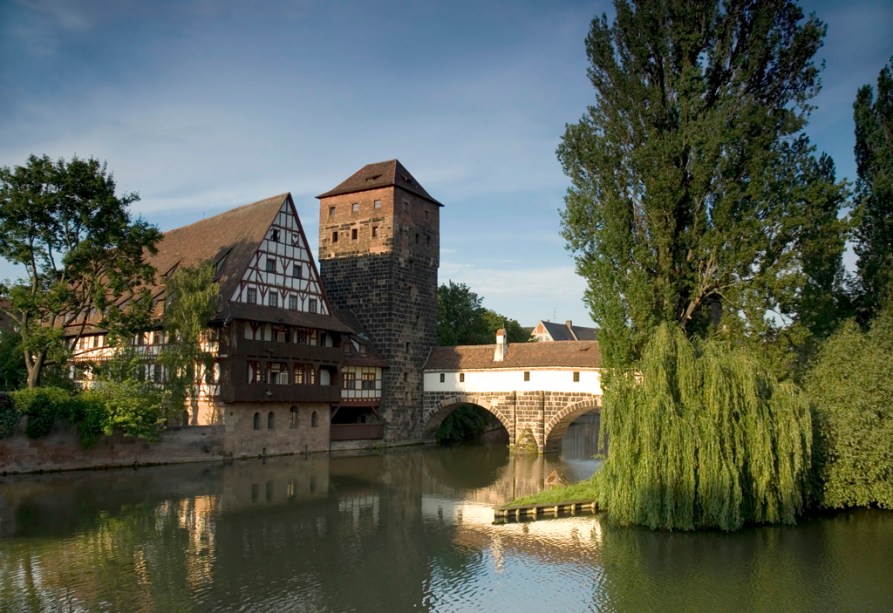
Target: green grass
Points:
(584, 490)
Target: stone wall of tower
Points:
(388, 278)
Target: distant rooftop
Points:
(390, 173)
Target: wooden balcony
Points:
(264, 392)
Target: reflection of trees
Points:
(835, 563)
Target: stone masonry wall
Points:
(61, 449)
(542, 415)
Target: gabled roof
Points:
(229, 240)
(568, 332)
(571, 354)
(380, 174)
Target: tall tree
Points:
(874, 191)
(690, 174)
(463, 320)
(81, 251)
(191, 300)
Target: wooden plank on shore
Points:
(507, 513)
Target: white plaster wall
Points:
(499, 380)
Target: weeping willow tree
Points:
(702, 436)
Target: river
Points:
(399, 531)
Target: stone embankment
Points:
(61, 450)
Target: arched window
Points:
(293, 417)
(270, 420)
(314, 420)
(257, 421)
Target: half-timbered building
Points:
(277, 345)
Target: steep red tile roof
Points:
(232, 236)
(380, 174)
(568, 354)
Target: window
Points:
(368, 382)
(416, 238)
(311, 305)
(274, 236)
(270, 419)
(278, 373)
(353, 234)
(442, 377)
(374, 231)
(355, 207)
(407, 346)
(406, 206)
(271, 264)
(335, 237)
(293, 417)
(293, 302)
(461, 377)
(428, 240)
(251, 297)
(331, 211)
(257, 421)
(96, 341)
(273, 299)
(297, 271)
(255, 373)
(426, 214)
(304, 374)
(527, 375)
(576, 376)
(314, 420)
(348, 380)
(281, 335)
(376, 204)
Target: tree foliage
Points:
(191, 300)
(703, 436)
(463, 320)
(694, 190)
(13, 373)
(851, 386)
(874, 191)
(80, 249)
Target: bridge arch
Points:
(556, 426)
(442, 409)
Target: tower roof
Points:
(381, 174)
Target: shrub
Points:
(9, 417)
(43, 406)
(851, 387)
(134, 407)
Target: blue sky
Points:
(203, 105)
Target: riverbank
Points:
(61, 450)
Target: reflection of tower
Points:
(379, 246)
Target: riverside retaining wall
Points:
(61, 450)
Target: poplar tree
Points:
(695, 193)
(873, 117)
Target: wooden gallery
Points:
(306, 357)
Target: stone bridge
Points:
(540, 417)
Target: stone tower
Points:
(379, 250)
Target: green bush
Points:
(851, 387)
(9, 417)
(134, 407)
(43, 406)
(89, 413)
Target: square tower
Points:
(379, 251)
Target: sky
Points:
(204, 105)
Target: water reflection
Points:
(397, 531)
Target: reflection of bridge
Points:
(535, 390)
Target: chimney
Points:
(502, 346)
(570, 328)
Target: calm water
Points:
(401, 531)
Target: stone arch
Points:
(435, 416)
(558, 424)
